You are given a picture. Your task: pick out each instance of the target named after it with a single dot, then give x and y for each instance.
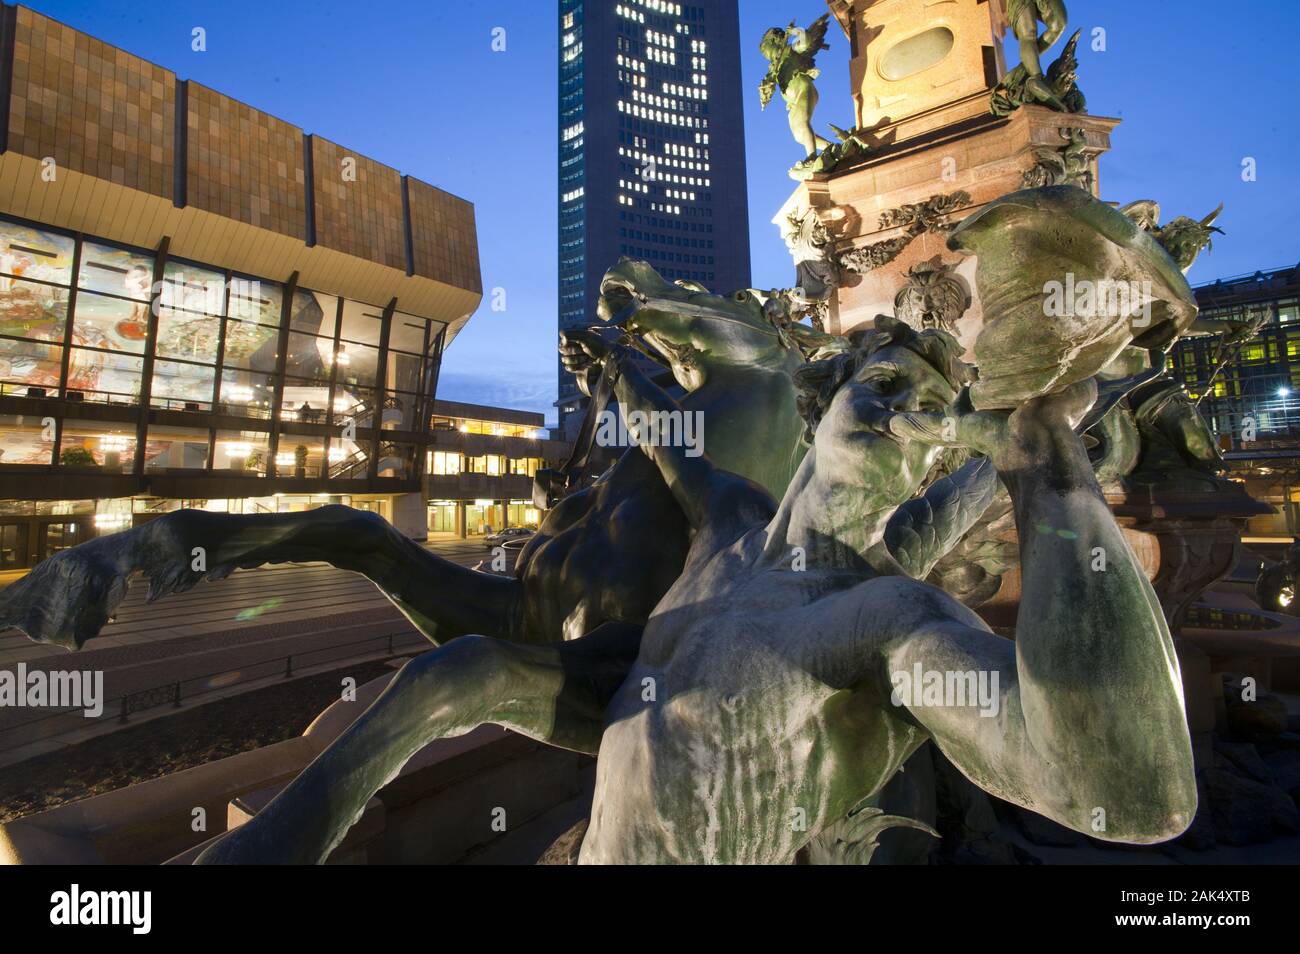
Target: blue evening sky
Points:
(415, 84)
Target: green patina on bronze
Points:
(791, 53)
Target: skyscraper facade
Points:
(652, 151)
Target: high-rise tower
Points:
(652, 151)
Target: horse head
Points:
(698, 332)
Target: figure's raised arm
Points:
(1088, 726)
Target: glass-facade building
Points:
(652, 151)
(204, 305)
(481, 465)
(1261, 379)
(1253, 403)
(240, 375)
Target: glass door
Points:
(62, 534)
(13, 546)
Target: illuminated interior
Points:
(215, 352)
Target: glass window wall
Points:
(75, 322)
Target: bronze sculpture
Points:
(791, 54)
(757, 709)
(1056, 88)
(809, 605)
(1024, 17)
(791, 69)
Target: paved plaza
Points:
(221, 638)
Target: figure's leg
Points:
(1031, 50)
(802, 105)
(68, 597)
(811, 99)
(555, 694)
(1026, 30)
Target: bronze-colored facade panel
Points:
(100, 111)
(244, 164)
(444, 243)
(91, 107)
(358, 205)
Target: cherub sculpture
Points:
(1183, 237)
(1176, 445)
(791, 70)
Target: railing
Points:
(349, 465)
(191, 688)
(1265, 273)
(52, 392)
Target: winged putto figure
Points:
(790, 53)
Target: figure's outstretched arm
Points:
(1089, 727)
(927, 527)
(67, 598)
(555, 694)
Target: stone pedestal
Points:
(909, 56)
(957, 153)
(1198, 537)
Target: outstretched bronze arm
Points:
(69, 597)
(1089, 728)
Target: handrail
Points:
(348, 464)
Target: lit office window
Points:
(175, 448)
(35, 255)
(243, 451)
(180, 385)
(112, 324)
(109, 447)
(105, 376)
(35, 269)
(29, 364)
(25, 439)
(116, 271)
(445, 462)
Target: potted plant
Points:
(300, 461)
(253, 462)
(77, 457)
